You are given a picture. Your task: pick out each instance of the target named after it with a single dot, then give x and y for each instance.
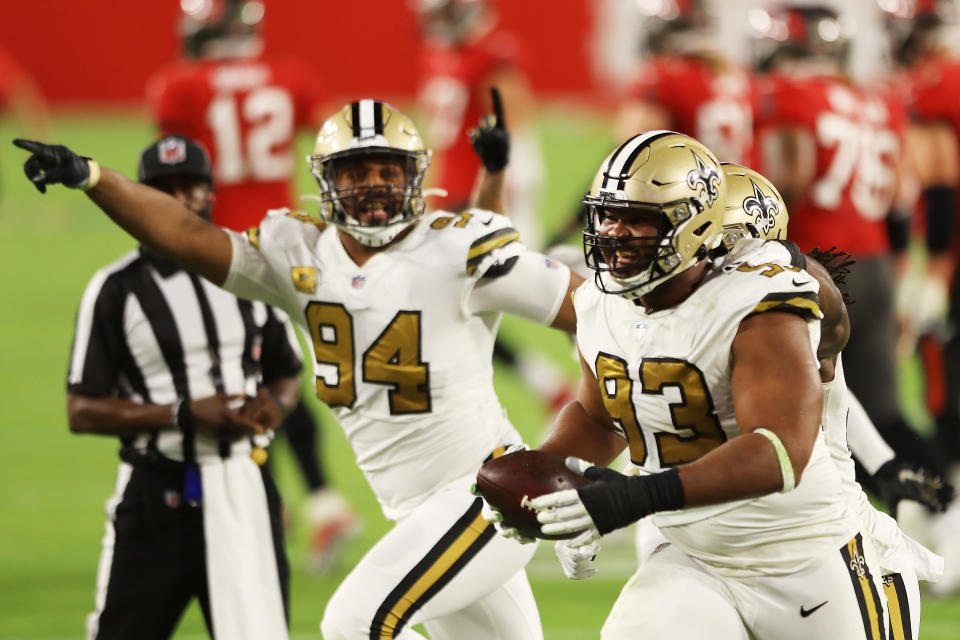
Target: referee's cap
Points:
(174, 156)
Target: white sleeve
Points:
(866, 443)
(532, 288)
(250, 274)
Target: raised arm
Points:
(151, 216)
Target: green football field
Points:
(53, 485)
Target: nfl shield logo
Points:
(358, 281)
(171, 498)
(172, 151)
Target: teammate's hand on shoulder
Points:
(490, 138)
(577, 555)
(215, 416)
(263, 409)
(54, 163)
(898, 480)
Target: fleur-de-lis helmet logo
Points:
(705, 180)
(762, 208)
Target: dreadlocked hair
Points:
(837, 263)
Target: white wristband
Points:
(94, 178)
(786, 467)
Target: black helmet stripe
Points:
(366, 118)
(623, 157)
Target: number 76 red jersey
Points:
(246, 113)
(858, 136)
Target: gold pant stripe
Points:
(439, 566)
(898, 607)
(867, 595)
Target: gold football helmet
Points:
(754, 207)
(363, 129)
(664, 176)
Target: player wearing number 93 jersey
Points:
(242, 106)
(691, 360)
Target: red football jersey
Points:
(858, 137)
(452, 94)
(715, 108)
(246, 113)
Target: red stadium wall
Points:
(103, 50)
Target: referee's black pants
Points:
(158, 562)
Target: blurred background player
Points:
(20, 97)
(834, 151)
(464, 55)
(21, 101)
(246, 109)
(687, 83)
(923, 34)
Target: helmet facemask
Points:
(632, 266)
(373, 215)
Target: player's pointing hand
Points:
(51, 164)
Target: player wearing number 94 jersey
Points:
(402, 311)
(242, 106)
(707, 370)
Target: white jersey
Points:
(403, 345)
(665, 380)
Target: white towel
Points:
(242, 579)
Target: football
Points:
(506, 483)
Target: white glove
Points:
(577, 555)
(562, 512)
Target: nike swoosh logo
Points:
(799, 284)
(487, 221)
(805, 612)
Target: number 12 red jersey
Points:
(246, 113)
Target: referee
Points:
(192, 380)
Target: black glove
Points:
(53, 163)
(897, 480)
(615, 500)
(490, 138)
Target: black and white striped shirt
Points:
(151, 332)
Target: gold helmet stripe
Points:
(622, 159)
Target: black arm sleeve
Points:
(941, 205)
(898, 229)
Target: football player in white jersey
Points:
(401, 309)
(708, 369)
(756, 210)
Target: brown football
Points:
(506, 481)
